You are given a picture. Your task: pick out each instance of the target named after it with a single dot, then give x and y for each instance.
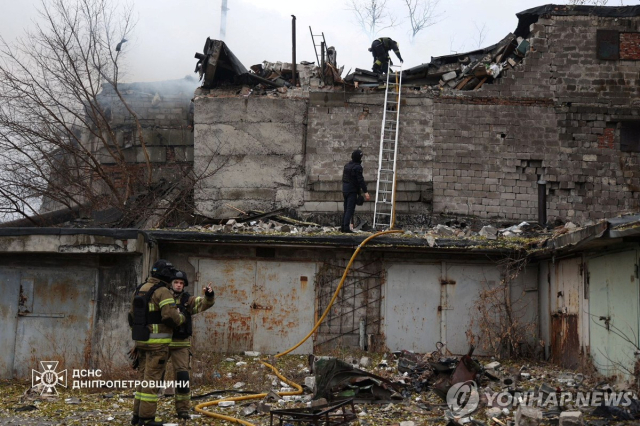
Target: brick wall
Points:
(630, 46)
(163, 111)
(339, 123)
(572, 138)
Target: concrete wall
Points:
(65, 299)
(250, 154)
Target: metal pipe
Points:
(542, 202)
(293, 53)
(322, 47)
(223, 20)
(363, 340)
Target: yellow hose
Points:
(200, 407)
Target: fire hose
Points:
(200, 407)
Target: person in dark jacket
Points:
(352, 183)
(380, 50)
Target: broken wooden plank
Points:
(464, 82)
(481, 83)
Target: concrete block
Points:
(571, 418)
(528, 416)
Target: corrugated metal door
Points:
(412, 297)
(565, 347)
(262, 306)
(283, 306)
(10, 290)
(613, 305)
(227, 326)
(55, 318)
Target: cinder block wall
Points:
(339, 123)
(558, 116)
(163, 111)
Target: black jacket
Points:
(352, 179)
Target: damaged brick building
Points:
(565, 114)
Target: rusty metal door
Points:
(283, 306)
(565, 328)
(55, 318)
(262, 306)
(411, 316)
(613, 308)
(10, 290)
(227, 326)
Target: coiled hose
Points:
(200, 407)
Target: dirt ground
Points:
(244, 373)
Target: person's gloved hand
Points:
(208, 291)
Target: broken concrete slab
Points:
(491, 233)
(528, 416)
(449, 76)
(571, 418)
(445, 230)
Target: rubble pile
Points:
(454, 229)
(400, 389)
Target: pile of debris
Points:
(218, 66)
(401, 389)
(462, 71)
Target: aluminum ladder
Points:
(319, 42)
(384, 212)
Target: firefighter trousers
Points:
(181, 360)
(152, 365)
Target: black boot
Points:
(184, 415)
(150, 422)
(134, 419)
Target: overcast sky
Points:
(169, 32)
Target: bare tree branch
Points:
(481, 34)
(56, 139)
(591, 2)
(372, 16)
(422, 15)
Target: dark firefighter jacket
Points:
(352, 179)
(193, 305)
(161, 300)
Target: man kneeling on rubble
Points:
(380, 50)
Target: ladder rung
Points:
(383, 214)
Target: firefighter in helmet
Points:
(380, 50)
(153, 317)
(180, 346)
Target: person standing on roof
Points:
(153, 317)
(180, 346)
(380, 50)
(352, 183)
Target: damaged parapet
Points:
(470, 70)
(218, 66)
